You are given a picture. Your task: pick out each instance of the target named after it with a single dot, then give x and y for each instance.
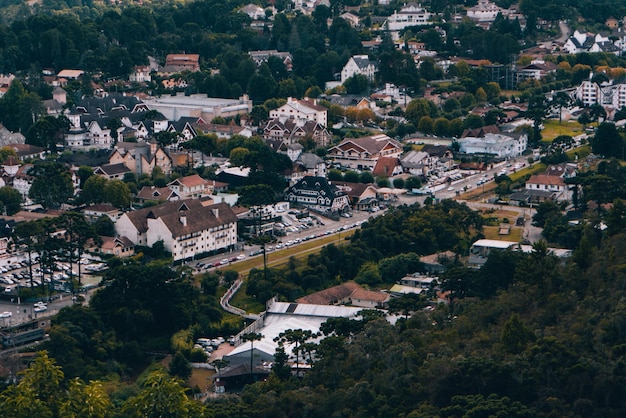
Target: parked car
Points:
(6, 314)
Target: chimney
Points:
(183, 220)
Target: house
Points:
(141, 157)
(304, 164)
(362, 196)
(27, 152)
(70, 74)
(114, 171)
(259, 57)
(351, 18)
(536, 70)
(499, 145)
(411, 14)
(223, 131)
(23, 180)
(255, 12)
(348, 293)
(156, 194)
(318, 194)
(387, 167)
(306, 109)
(548, 183)
(140, 74)
(565, 170)
(359, 64)
(484, 11)
(435, 263)
(120, 247)
(95, 211)
(5, 83)
(7, 137)
(192, 186)
(363, 153)
(187, 228)
(177, 63)
(293, 130)
(588, 42)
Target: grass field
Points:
(552, 128)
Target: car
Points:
(224, 261)
(40, 308)
(241, 256)
(217, 264)
(6, 314)
(451, 189)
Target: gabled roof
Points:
(112, 242)
(199, 219)
(363, 61)
(190, 181)
(184, 217)
(156, 193)
(385, 166)
(481, 132)
(545, 179)
(348, 290)
(112, 169)
(372, 144)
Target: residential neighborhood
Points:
(312, 208)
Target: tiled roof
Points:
(197, 217)
(385, 166)
(546, 180)
(191, 181)
(330, 295)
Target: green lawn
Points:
(552, 128)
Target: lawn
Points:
(492, 232)
(552, 128)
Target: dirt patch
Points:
(201, 378)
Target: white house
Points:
(359, 64)
(588, 42)
(306, 109)
(484, 11)
(411, 14)
(363, 153)
(187, 227)
(501, 145)
(192, 186)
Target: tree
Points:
(117, 193)
(92, 191)
(10, 200)
(25, 235)
(44, 378)
(298, 338)
(256, 195)
(608, 141)
(180, 367)
(252, 337)
(86, 401)
(515, 336)
(52, 185)
(77, 233)
(161, 396)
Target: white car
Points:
(241, 256)
(6, 314)
(40, 308)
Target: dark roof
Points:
(196, 216)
